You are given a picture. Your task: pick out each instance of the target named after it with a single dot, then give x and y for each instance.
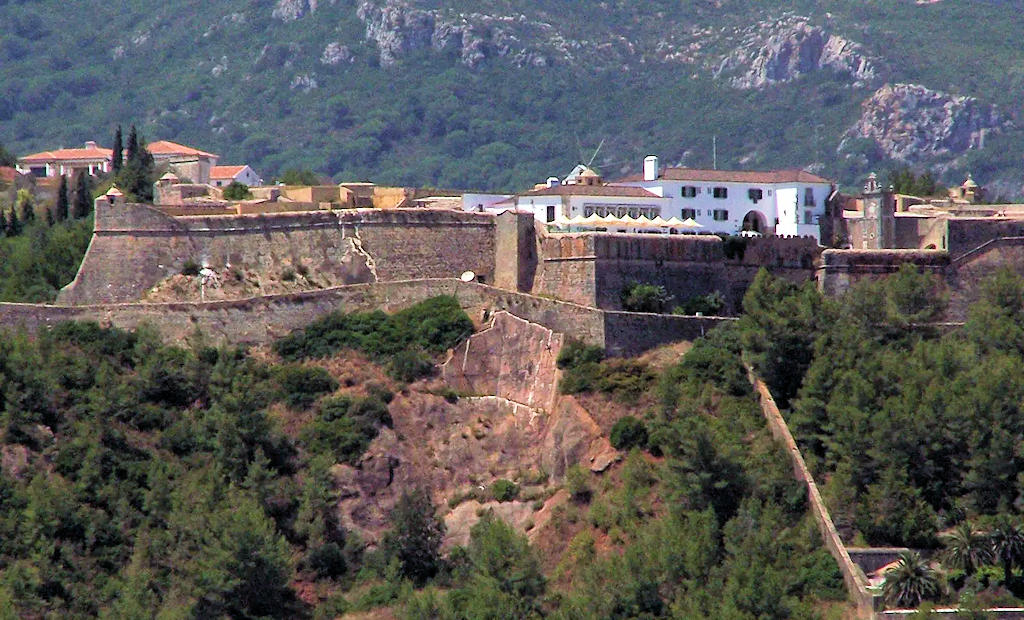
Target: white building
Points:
(556, 202)
(222, 176)
(91, 160)
(779, 202)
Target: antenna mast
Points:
(714, 152)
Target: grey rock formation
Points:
(910, 123)
(290, 10)
(335, 53)
(793, 48)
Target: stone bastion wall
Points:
(593, 269)
(263, 319)
(135, 246)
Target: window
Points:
(551, 213)
(720, 192)
(688, 213)
(721, 215)
(755, 194)
(808, 197)
(808, 217)
(689, 191)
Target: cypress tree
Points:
(28, 212)
(132, 151)
(81, 201)
(62, 200)
(118, 150)
(3, 224)
(49, 217)
(13, 225)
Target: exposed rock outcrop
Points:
(909, 122)
(335, 53)
(290, 10)
(794, 48)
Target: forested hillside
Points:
(499, 95)
(139, 479)
(913, 429)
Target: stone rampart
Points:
(263, 319)
(593, 268)
(135, 246)
(841, 269)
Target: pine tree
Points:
(62, 200)
(81, 201)
(118, 150)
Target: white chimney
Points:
(651, 168)
(90, 145)
(553, 182)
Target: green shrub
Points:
(344, 428)
(288, 275)
(190, 268)
(629, 433)
(409, 365)
(577, 483)
(711, 304)
(302, 385)
(327, 560)
(237, 191)
(637, 297)
(504, 490)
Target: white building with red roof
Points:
(92, 159)
(222, 176)
(556, 202)
(779, 202)
(185, 161)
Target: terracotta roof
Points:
(592, 190)
(68, 155)
(732, 176)
(7, 174)
(225, 172)
(166, 147)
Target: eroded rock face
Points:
(795, 48)
(909, 123)
(454, 447)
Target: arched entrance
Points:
(754, 221)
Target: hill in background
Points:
(502, 94)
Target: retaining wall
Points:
(853, 576)
(263, 319)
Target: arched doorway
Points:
(754, 221)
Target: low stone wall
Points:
(853, 576)
(264, 319)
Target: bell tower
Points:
(879, 223)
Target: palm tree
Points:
(1007, 541)
(966, 548)
(911, 581)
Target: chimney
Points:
(650, 168)
(90, 145)
(553, 182)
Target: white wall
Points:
(473, 202)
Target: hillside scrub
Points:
(584, 369)
(915, 429)
(403, 341)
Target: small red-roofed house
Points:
(186, 162)
(222, 176)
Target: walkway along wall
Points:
(264, 319)
(853, 576)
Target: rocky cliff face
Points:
(398, 29)
(794, 47)
(911, 123)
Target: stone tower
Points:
(879, 216)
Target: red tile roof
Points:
(166, 147)
(592, 190)
(7, 174)
(732, 176)
(97, 153)
(225, 172)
